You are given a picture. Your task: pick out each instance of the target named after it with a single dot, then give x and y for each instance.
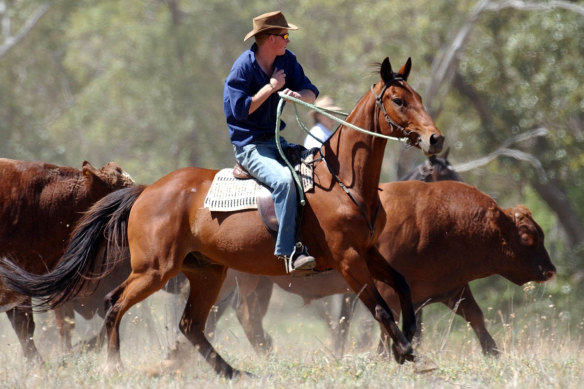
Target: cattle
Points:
(39, 206)
(439, 236)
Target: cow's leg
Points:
(218, 310)
(23, 324)
(96, 342)
(464, 304)
(205, 283)
(341, 330)
(65, 320)
(254, 298)
(355, 271)
(227, 297)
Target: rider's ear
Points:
(386, 72)
(404, 72)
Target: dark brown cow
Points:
(439, 236)
(39, 205)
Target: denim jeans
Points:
(262, 160)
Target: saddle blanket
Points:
(228, 193)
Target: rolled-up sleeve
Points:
(239, 98)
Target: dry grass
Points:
(539, 351)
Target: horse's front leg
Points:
(355, 271)
(382, 271)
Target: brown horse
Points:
(439, 236)
(169, 230)
(40, 203)
(250, 294)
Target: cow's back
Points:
(39, 204)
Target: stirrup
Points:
(299, 249)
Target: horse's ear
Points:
(404, 72)
(386, 72)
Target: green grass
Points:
(540, 350)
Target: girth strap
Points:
(361, 206)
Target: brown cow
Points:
(39, 205)
(439, 236)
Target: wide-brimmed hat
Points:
(269, 21)
(324, 102)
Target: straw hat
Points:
(269, 21)
(324, 102)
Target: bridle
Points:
(380, 107)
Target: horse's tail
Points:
(107, 220)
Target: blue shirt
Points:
(243, 82)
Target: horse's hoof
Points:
(424, 364)
(402, 353)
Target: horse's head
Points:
(403, 114)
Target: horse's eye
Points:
(398, 101)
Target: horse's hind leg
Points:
(205, 283)
(136, 288)
(23, 324)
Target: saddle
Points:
(235, 189)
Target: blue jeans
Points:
(262, 160)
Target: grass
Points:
(540, 350)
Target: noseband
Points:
(380, 107)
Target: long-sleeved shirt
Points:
(243, 82)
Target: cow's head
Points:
(522, 243)
(108, 178)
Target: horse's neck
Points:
(355, 157)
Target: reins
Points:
(331, 114)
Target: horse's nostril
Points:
(434, 139)
(549, 275)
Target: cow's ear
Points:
(503, 224)
(87, 169)
(519, 212)
(94, 176)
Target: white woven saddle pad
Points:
(228, 193)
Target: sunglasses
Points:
(284, 36)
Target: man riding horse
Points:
(250, 101)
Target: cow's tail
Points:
(97, 244)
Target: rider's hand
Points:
(289, 92)
(278, 79)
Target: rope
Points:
(279, 145)
(326, 112)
